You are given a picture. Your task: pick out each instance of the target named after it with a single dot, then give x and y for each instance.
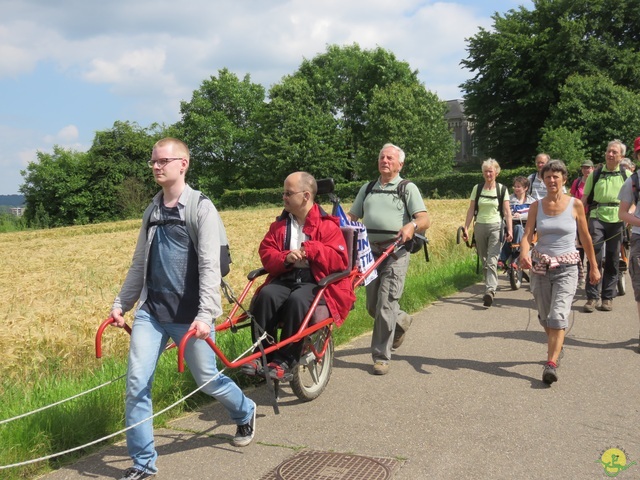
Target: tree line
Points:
(330, 118)
(563, 77)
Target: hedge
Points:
(453, 185)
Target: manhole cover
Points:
(334, 466)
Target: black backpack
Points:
(417, 243)
(501, 191)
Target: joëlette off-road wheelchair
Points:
(310, 376)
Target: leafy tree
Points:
(597, 110)
(56, 189)
(564, 144)
(413, 118)
(298, 134)
(522, 63)
(119, 177)
(219, 127)
(357, 101)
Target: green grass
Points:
(101, 413)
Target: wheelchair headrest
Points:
(325, 185)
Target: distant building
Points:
(17, 211)
(462, 131)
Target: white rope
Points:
(74, 449)
(60, 402)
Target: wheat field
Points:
(58, 285)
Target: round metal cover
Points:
(334, 466)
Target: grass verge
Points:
(101, 413)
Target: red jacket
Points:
(326, 252)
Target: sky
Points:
(69, 68)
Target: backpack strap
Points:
(635, 186)
(191, 216)
(501, 191)
(596, 176)
(478, 192)
(531, 178)
(401, 191)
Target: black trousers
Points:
(286, 300)
(607, 237)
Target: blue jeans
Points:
(507, 249)
(148, 340)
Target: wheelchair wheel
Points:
(622, 284)
(311, 375)
(515, 278)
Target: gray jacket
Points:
(208, 250)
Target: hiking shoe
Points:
(252, 368)
(398, 337)
(245, 433)
(133, 473)
(279, 370)
(487, 300)
(606, 305)
(549, 374)
(380, 368)
(590, 306)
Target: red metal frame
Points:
(233, 319)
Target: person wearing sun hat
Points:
(577, 187)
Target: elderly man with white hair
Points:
(390, 208)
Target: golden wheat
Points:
(58, 285)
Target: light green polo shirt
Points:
(386, 211)
(606, 190)
(488, 207)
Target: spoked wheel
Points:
(622, 284)
(311, 375)
(515, 277)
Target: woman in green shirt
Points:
(485, 207)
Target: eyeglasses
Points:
(161, 162)
(288, 194)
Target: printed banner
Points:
(365, 255)
(521, 208)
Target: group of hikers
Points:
(551, 232)
(173, 284)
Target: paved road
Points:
(463, 399)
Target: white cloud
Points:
(68, 134)
(152, 54)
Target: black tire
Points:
(311, 376)
(622, 284)
(515, 278)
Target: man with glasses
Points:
(177, 289)
(302, 246)
(383, 210)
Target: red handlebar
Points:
(101, 330)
